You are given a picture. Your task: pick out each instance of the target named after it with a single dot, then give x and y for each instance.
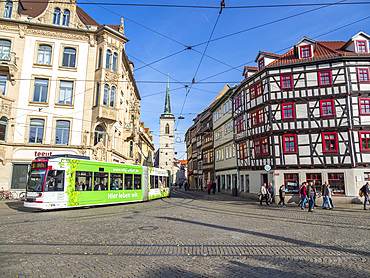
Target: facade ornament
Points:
(92, 40)
(2, 156)
(99, 151)
(22, 30)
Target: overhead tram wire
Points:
(200, 62)
(286, 48)
(269, 23)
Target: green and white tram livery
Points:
(72, 181)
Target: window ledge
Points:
(68, 106)
(67, 68)
(33, 103)
(42, 66)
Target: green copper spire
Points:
(167, 104)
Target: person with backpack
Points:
(365, 189)
(303, 194)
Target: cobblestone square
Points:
(191, 234)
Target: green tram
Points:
(66, 181)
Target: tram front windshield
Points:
(36, 180)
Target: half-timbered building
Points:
(305, 116)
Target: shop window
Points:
(83, 181)
(62, 132)
(65, 92)
(364, 141)
(291, 182)
(99, 135)
(287, 111)
(56, 16)
(325, 78)
(3, 79)
(364, 104)
(286, 81)
(330, 142)
(65, 20)
(19, 176)
(336, 181)
(8, 9)
(69, 57)
(44, 55)
(367, 176)
(290, 143)
(316, 179)
(116, 181)
(3, 128)
(306, 51)
(5, 46)
(100, 181)
(36, 131)
(327, 108)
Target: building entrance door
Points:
(264, 179)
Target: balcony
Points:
(106, 113)
(8, 62)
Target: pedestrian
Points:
(282, 196)
(264, 194)
(325, 196)
(209, 188)
(271, 190)
(365, 189)
(311, 194)
(314, 197)
(213, 187)
(330, 194)
(303, 194)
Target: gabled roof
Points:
(352, 39)
(266, 54)
(85, 18)
(306, 39)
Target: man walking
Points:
(271, 190)
(325, 196)
(311, 191)
(264, 194)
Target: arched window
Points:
(112, 97)
(109, 58)
(131, 150)
(105, 96)
(3, 128)
(8, 9)
(69, 57)
(167, 129)
(115, 60)
(62, 133)
(65, 20)
(99, 135)
(5, 46)
(97, 94)
(44, 55)
(100, 56)
(56, 16)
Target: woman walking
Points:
(282, 196)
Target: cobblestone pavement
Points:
(191, 234)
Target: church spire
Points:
(167, 104)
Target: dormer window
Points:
(362, 47)
(65, 21)
(8, 9)
(261, 63)
(56, 16)
(305, 51)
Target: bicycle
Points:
(22, 196)
(8, 195)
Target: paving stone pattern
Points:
(191, 234)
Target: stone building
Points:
(66, 87)
(145, 146)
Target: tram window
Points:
(83, 181)
(151, 181)
(100, 181)
(128, 181)
(55, 181)
(116, 181)
(137, 181)
(155, 181)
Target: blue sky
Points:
(173, 29)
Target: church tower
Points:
(166, 135)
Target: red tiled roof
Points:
(268, 53)
(252, 68)
(85, 18)
(33, 9)
(324, 50)
(115, 27)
